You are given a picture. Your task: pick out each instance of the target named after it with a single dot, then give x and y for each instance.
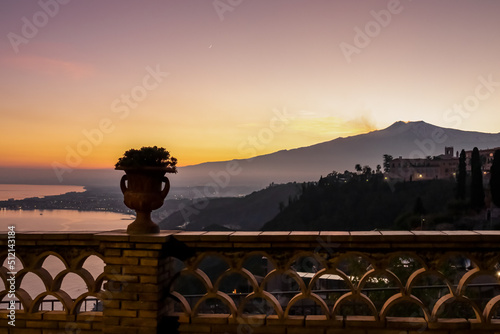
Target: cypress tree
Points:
(476, 187)
(461, 176)
(387, 162)
(495, 179)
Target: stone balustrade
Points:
(255, 282)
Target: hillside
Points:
(367, 203)
(247, 213)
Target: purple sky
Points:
(206, 79)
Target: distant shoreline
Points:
(23, 191)
(80, 199)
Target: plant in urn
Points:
(142, 185)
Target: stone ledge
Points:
(244, 236)
(210, 319)
(189, 236)
(274, 320)
(230, 239)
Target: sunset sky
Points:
(217, 80)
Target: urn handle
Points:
(165, 190)
(122, 183)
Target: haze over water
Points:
(21, 191)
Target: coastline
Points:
(84, 199)
(23, 191)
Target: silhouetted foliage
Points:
(387, 162)
(419, 207)
(147, 157)
(367, 170)
(495, 179)
(461, 176)
(359, 202)
(476, 188)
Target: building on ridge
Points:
(443, 166)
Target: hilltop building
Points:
(443, 166)
(440, 167)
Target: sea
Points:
(55, 220)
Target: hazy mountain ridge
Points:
(308, 163)
(300, 164)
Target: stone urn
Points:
(143, 191)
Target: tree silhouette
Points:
(378, 169)
(358, 168)
(476, 187)
(461, 176)
(495, 179)
(387, 162)
(367, 170)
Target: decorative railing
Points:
(403, 280)
(57, 272)
(239, 282)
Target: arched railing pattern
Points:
(341, 276)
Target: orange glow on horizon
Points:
(105, 156)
